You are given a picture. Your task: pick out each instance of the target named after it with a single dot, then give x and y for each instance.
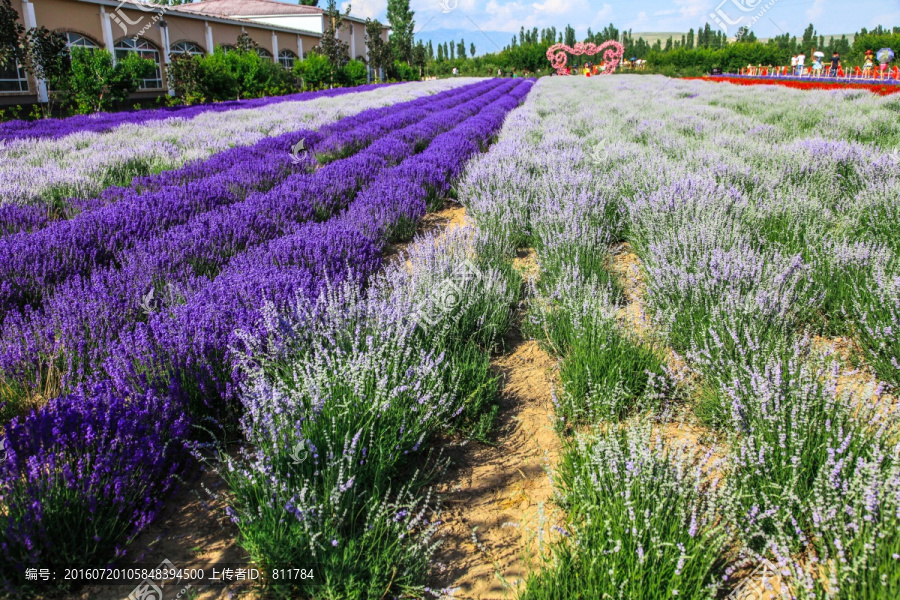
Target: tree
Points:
(44, 54)
(461, 49)
(48, 54)
(472, 49)
(380, 56)
(609, 33)
(452, 51)
(245, 43)
(48, 58)
(97, 84)
(420, 58)
(402, 24)
(11, 32)
(336, 51)
(309, 2)
(809, 38)
(440, 54)
(185, 76)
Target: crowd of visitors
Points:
(874, 66)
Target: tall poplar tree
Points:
(400, 17)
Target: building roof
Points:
(173, 10)
(247, 9)
(252, 9)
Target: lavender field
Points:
(710, 274)
(718, 278)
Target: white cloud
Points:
(365, 9)
(638, 21)
(816, 10)
(693, 10)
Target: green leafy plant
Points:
(353, 73)
(185, 75)
(98, 84)
(314, 70)
(643, 522)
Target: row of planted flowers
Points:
(882, 89)
(709, 432)
(102, 122)
(175, 249)
(58, 176)
(125, 217)
(183, 361)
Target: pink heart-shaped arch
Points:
(613, 52)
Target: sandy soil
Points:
(861, 382)
(449, 217)
(497, 498)
(626, 266)
(193, 532)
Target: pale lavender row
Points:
(138, 447)
(84, 317)
(34, 262)
(100, 122)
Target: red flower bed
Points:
(876, 88)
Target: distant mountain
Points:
(651, 36)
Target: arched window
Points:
(264, 53)
(144, 49)
(80, 41)
(287, 58)
(13, 78)
(226, 48)
(187, 48)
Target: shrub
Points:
(353, 73)
(185, 75)
(643, 522)
(97, 84)
(95, 465)
(314, 70)
(403, 72)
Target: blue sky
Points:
(499, 19)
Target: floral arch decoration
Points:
(612, 51)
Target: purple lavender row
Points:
(100, 122)
(123, 482)
(195, 340)
(17, 217)
(30, 263)
(30, 217)
(86, 315)
(233, 156)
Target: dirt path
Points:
(193, 532)
(497, 499)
